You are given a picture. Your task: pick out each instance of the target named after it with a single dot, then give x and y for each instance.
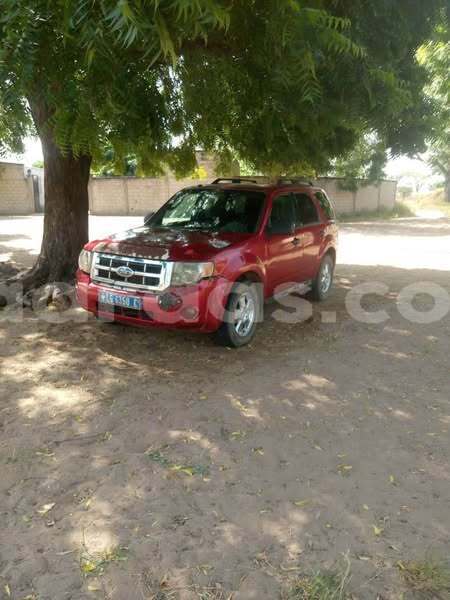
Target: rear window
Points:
(305, 210)
(326, 205)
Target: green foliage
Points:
(108, 165)
(365, 161)
(401, 114)
(435, 57)
(323, 585)
(430, 578)
(284, 85)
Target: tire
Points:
(323, 282)
(245, 299)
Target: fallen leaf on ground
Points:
(205, 568)
(259, 450)
(88, 566)
(377, 530)
(46, 508)
(344, 469)
(301, 503)
(237, 434)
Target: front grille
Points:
(145, 274)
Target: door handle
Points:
(296, 241)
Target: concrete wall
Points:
(366, 198)
(138, 196)
(133, 195)
(16, 190)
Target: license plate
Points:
(120, 300)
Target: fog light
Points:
(190, 313)
(170, 302)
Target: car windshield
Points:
(226, 211)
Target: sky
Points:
(403, 168)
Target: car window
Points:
(282, 217)
(305, 210)
(326, 205)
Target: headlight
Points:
(85, 261)
(188, 273)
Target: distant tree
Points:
(282, 84)
(405, 191)
(435, 57)
(108, 165)
(365, 161)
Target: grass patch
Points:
(429, 578)
(212, 594)
(434, 201)
(322, 585)
(95, 564)
(191, 470)
(400, 210)
(158, 589)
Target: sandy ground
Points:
(138, 464)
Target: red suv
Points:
(210, 257)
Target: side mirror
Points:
(148, 216)
(281, 228)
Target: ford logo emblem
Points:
(124, 272)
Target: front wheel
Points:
(324, 279)
(243, 311)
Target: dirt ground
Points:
(141, 464)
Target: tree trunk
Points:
(66, 179)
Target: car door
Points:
(283, 251)
(309, 230)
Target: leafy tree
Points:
(402, 120)
(282, 84)
(109, 165)
(435, 57)
(365, 161)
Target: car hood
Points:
(167, 244)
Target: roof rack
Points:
(294, 181)
(260, 179)
(235, 180)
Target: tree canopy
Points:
(277, 82)
(286, 85)
(435, 57)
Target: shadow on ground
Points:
(219, 471)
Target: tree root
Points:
(35, 289)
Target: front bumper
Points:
(199, 307)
